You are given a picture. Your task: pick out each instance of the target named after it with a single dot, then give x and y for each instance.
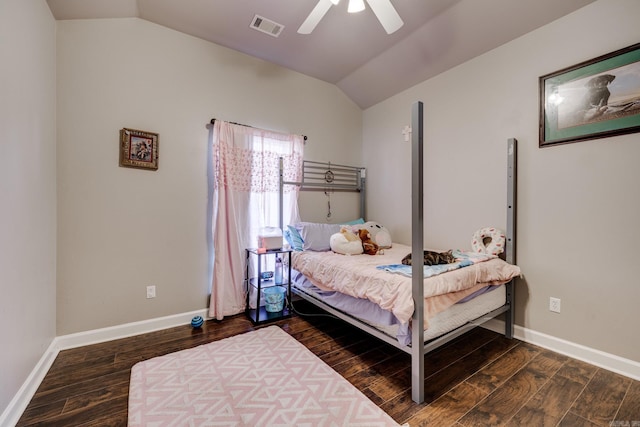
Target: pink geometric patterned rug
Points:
(260, 378)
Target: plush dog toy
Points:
(369, 247)
(345, 242)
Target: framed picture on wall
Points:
(594, 99)
(138, 149)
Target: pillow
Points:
(294, 239)
(316, 236)
(287, 238)
(354, 222)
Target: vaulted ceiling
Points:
(351, 51)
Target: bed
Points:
(416, 311)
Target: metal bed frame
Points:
(323, 176)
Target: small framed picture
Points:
(594, 99)
(138, 149)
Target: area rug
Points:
(260, 378)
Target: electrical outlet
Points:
(151, 291)
(554, 304)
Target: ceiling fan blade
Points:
(386, 14)
(315, 16)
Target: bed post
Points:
(363, 195)
(510, 255)
(417, 247)
(281, 193)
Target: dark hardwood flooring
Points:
(479, 379)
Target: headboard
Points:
(319, 176)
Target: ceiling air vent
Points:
(266, 26)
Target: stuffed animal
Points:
(379, 234)
(349, 233)
(345, 242)
(369, 247)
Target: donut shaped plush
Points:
(488, 240)
(345, 242)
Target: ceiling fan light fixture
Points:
(355, 6)
(382, 9)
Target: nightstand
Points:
(267, 300)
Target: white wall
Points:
(121, 229)
(578, 204)
(27, 190)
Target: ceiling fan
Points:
(383, 9)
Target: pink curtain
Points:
(246, 198)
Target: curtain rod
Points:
(213, 121)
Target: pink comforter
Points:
(356, 275)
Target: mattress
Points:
(453, 317)
(376, 279)
(481, 302)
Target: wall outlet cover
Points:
(151, 291)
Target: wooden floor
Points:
(480, 379)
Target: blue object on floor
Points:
(197, 321)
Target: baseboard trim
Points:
(18, 404)
(20, 401)
(608, 361)
(126, 330)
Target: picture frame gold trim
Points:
(598, 98)
(138, 149)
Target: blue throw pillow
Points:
(296, 241)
